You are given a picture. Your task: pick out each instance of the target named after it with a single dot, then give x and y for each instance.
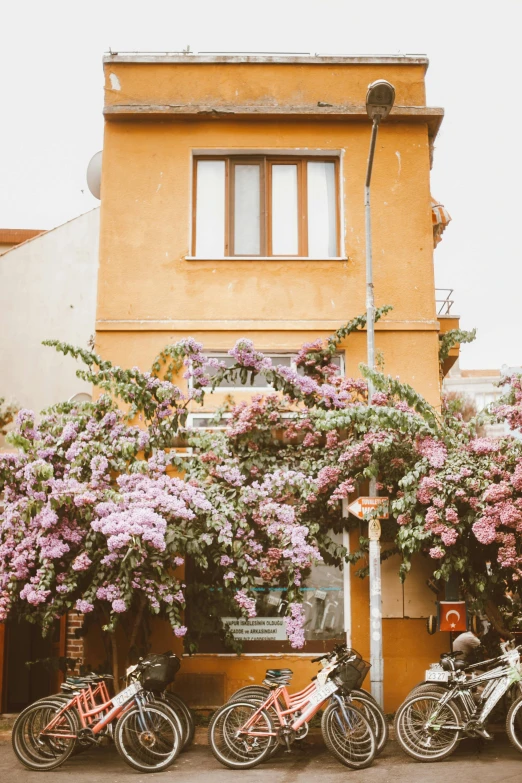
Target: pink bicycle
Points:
(242, 734)
(145, 732)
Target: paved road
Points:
(495, 762)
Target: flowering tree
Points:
(101, 506)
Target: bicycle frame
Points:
(80, 701)
(301, 702)
(503, 676)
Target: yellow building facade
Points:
(232, 206)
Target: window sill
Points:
(267, 258)
(262, 655)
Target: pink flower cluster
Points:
(434, 450)
(247, 604)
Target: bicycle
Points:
(145, 732)
(361, 699)
(242, 734)
(430, 724)
(173, 701)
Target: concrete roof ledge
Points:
(432, 116)
(355, 59)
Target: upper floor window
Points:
(266, 206)
(260, 381)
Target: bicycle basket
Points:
(351, 675)
(159, 671)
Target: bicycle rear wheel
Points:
(514, 724)
(366, 704)
(251, 692)
(427, 687)
(258, 694)
(185, 715)
(421, 727)
(36, 749)
(147, 737)
(232, 744)
(348, 735)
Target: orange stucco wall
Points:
(263, 84)
(146, 228)
(151, 292)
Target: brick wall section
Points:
(73, 645)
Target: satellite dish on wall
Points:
(94, 175)
(81, 397)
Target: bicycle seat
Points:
(451, 665)
(69, 690)
(276, 673)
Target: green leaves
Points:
(357, 323)
(272, 480)
(452, 338)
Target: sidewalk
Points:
(495, 762)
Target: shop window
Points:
(324, 615)
(265, 206)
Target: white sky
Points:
(51, 89)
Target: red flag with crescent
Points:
(453, 616)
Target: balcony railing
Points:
(443, 300)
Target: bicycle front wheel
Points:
(38, 749)
(425, 730)
(348, 735)
(236, 746)
(147, 737)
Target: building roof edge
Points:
(210, 59)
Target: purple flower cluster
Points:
(294, 622)
(83, 606)
(246, 356)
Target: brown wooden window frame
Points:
(266, 163)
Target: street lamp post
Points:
(379, 101)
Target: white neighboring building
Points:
(481, 386)
(47, 291)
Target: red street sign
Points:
(360, 507)
(452, 616)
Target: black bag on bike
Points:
(159, 671)
(352, 674)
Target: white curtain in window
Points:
(210, 209)
(322, 233)
(285, 236)
(247, 210)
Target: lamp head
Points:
(379, 100)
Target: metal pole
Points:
(347, 586)
(376, 660)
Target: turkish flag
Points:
(453, 616)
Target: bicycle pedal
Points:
(480, 731)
